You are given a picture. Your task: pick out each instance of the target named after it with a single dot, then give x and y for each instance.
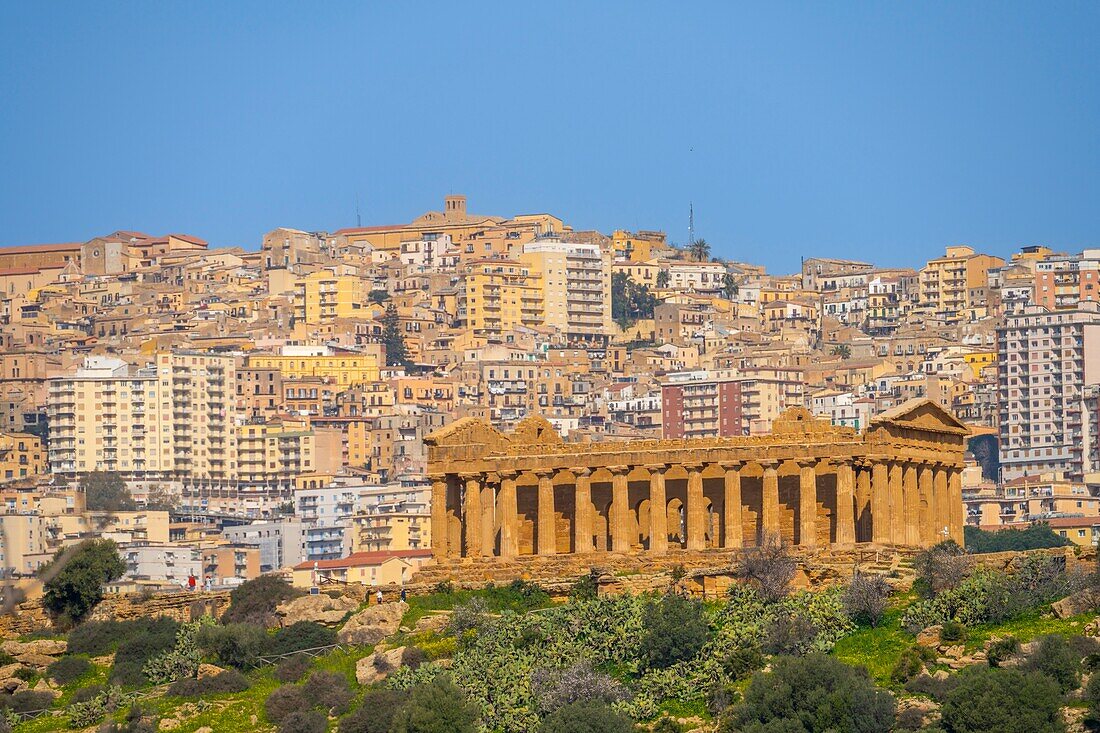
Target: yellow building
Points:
(637, 246)
(501, 295)
(322, 297)
(576, 287)
(273, 455)
(980, 360)
(949, 284)
(344, 370)
(391, 530)
(365, 568)
(21, 456)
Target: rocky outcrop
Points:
(1079, 603)
(377, 666)
(39, 653)
(321, 609)
(372, 624)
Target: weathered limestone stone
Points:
(372, 624)
(38, 661)
(320, 609)
(46, 647)
(434, 621)
(1079, 603)
(377, 666)
(930, 637)
(209, 670)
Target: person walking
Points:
(379, 596)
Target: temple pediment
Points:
(921, 413)
(465, 432)
(535, 430)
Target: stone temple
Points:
(529, 493)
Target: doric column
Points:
(658, 510)
(509, 515)
(769, 519)
(897, 503)
(880, 502)
(955, 510)
(807, 502)
(863, 499)
(471, 513)
(926, 519)
(696, 511)
(439, 516)
(845, 503)
(488, 517)
(620, 509)
(731, 506)
(941, 504)
(582, 511)
(912, 505)
(547, 534)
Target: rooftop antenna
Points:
(358, 219)
(691, 223)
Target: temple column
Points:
(471, 513)
(696, 511)
(488, 518)
(769, 509)
(881, 519)
(911, 511)
(864, 504)
(509, 515)
(941, 504)
(439, 516)
(731, 506)
(956, 511)
(807, 502)
(845, 504)
(897, 503)
(658, 510)
(582, 511)
(547, 530)
(926, 517)
(620, 531)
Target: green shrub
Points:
(1054, 658)
(28, 700)
(27, 674)
(142, 643)
(328, 691)
(952, 631)
(84, 694)
(811, 694)
(228, 681)
(1002, 650)
(675, 630)
(293, 668)
(933, 687)
(1092, 697)
(96, 638)
(301, 635)
(741, 661)
(436, 707)
(375, 713)
(1035, 537)
(76, 576)
(585, 589)
(586, 717)
(68, 669)
(667, 725)
(237, 645)
(997, 700)
(908, 666)
(255, 601)
(285, 701)
(304, 721)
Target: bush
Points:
(1054, 658)
(789, 633)
(255, 601)
(301, 635)
(741, 661)
(304, 721)
(939, 568)
(811, 694)
(586, 717)
(675, 630)
(667, 725)
(285, 701)
(935, 688)
(328, 691)
(142, 643)
(375, 714)
(96, 638)
(952, 631)
(293, 668)
(413, 657)
(1001, 650)
(73, 581)
(84, 694)
(1035, 537)
(471, 615)
(68, 669)
(769, 566)
(585, 589)
(436, 707)
(909, 665)
(229, 681)
(997, 700)
(866, 598)
(1092, 697)
(28, 700)
(557, 688)
(235, 645)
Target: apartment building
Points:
(575, 279)
(281, 544)
(271, 455)
(1046, 391)
(949, 285)
(499, 296)
(393, 517)
(637, 246)
(1063, 281)
(296, 362)
(1030, 499)
(171, 421)
(707, 404)
(21, 456)
(322, 297)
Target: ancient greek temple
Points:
(808, 481)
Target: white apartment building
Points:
(576, 286)
(1046, 387)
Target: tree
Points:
(844, 351)
(106, 492)
(1054, 659)
(866, 598)
(75, 578)
(999, 700)
(663, 277)
(769, 565)
(630, 301)
(397, 354)
(254, 601)
(1035, 537)
(586, 717)
(675, 630)
(939, 568)
(436, 707)
(811, 694)
(699, 250)
(160, 499)
(729, 286)
(378, 296)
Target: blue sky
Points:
(880, 131)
